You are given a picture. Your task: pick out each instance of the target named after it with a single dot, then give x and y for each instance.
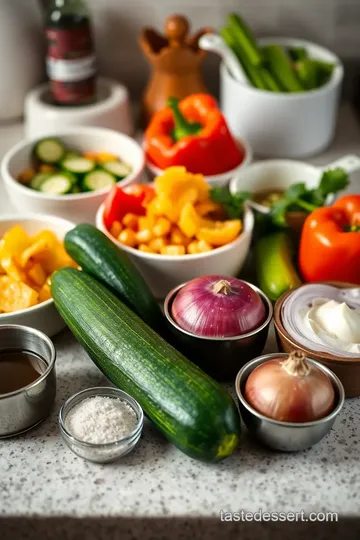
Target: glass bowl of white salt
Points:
(101, 424)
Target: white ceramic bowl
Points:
(44, 316)
(280, 174)
(79, 207)
(217, 179)
(111, 110)
(288, 125)
(165, 272)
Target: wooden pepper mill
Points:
(176, 60)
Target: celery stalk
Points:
(280, 66)
(251, 72)
(245, 39)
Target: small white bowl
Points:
(275, 124)
(165, 272)
(44, 316)
(80, 207)
(216, 179)
(280, 174)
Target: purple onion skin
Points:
(198, 309)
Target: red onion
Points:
(218, 306)
(290, 390)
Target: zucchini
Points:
(99, 257)
(78, 165)
(49, 151)
(275, 270)
(98, 180)
(58, 184)
(37, 180)
(117, 168)
(192, 410)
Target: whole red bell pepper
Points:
(132, 199)
(192, 133)
(330, 242)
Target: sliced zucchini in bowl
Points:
(37, 180)
(59, 183)
(98, 180)
(117, 168)
(78, 165)
(49, 151)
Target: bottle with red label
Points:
(70, 61)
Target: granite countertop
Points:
(157, 492)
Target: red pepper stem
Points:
(182, 127)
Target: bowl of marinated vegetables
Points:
(31, 249)
(178, 228)
(69, 173)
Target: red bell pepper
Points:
(132, 199)
(330, 242)
(192, 133)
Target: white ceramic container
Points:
(286, 125)
(217, 179)
(165, 272)
(44, 316)
(280, 174)
(112, 111)
(79, 207)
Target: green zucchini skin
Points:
(192, 410)
(99, 257)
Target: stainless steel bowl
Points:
(221, 358)
(286, 436)
(107, 452)
(26, 407)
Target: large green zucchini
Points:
(192, 410)
(100, 257)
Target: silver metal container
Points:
(106, 452)
(286, 436)
(25, 408)
(221, 358)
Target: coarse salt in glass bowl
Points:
(104, 452)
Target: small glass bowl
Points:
(101, 453)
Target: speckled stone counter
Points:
(156, 492)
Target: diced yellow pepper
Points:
(219, 233)
(13, 243)
(157, 244)
(15, 295)
(12, 269)
(130, 221)
(189, 220)
(162, 227)
(145, 248)
(116, 229)
(128, 237)
(45, 293)
(37, 274)
(173, 250)
(144, 236)
(178, 237)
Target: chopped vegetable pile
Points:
(57, 170)
(273, 67)
(177, 217)
(26, 263)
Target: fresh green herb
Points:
(299, 198)
(233, 204)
